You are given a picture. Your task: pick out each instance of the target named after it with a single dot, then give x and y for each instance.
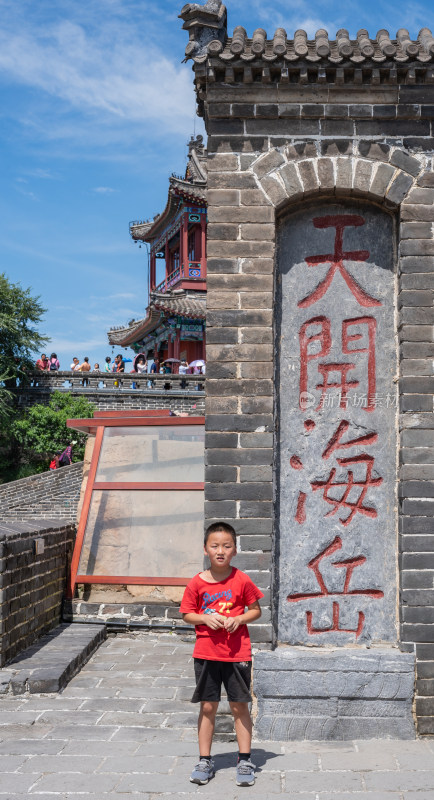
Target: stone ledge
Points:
(50, 664)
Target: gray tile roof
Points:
(178, 302)
(208, 39)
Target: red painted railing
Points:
(192, 271)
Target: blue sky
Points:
(95, 112)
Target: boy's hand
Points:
(215, 621)
(232, 624)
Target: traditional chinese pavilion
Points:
(174, 325)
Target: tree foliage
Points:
(20, 313)
(42, 432)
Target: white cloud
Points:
(106, 72)
(26, 193)
(43, 174)
(103, 189)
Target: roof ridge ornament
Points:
(205, 23)
(197, 145)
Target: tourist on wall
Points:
(53, 363)
(140, 364)
(183, 369)
(96, 367)
(65, 458)
(54, 463)
(85, 366)
(108, 364)
(75, 366)
(118, 364)
(42, 363)
(154, 370)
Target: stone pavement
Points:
(123, 729)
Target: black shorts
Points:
(235, 676)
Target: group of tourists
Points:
(140, 364)
(167, 367)
(48, 364)
(63, 458)
(52, 364)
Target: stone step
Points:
(51, 662)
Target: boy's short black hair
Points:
(220, 527)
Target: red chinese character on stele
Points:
(336, 260)
(353, 490)
(349, 565)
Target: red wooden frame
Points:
(97, 425)
(91, 425)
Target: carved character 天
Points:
(336, 261)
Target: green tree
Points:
(41, 432)
(20, 313)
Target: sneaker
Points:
(245, 773)
(203, 771)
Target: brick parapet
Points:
(54, 494)
(31, 585)
(190, 401)
(270, 146)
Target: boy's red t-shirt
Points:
(229, 597)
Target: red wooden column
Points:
(153, 272)
(170, 346)
(203, 246)
(184, 243)
(167, 258)
(197, 242)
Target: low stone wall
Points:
(54, 494)
(34, 561)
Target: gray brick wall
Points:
(123, 400)
(54, 494)
(272, 144)
(31, 586)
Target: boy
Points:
(215, 601)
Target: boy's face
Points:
(220, 549)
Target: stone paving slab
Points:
(98, 740)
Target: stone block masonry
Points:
(298, 126)
(308, 695)
(34, 560)
(54, 494)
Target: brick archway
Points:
(295, 172)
